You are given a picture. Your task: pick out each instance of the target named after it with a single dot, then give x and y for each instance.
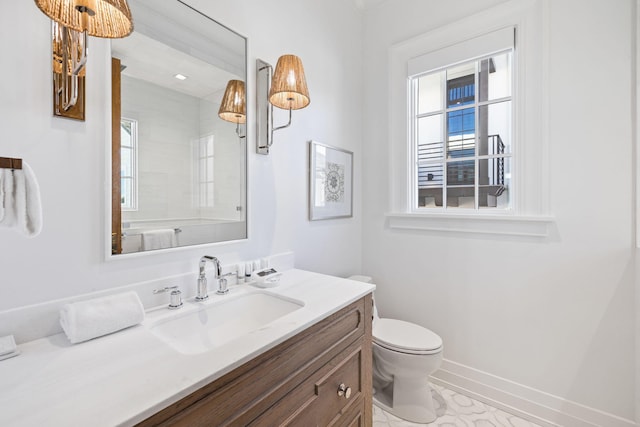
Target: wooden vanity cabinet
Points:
(319, 377)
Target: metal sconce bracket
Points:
(264, 109)
(69, 62)
(289, 92)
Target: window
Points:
(205, 167)
(129, 164)
(461, 134)
(445, 96)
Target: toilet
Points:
(404, 355)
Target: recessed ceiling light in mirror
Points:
(180, 77)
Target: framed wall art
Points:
(330, 182)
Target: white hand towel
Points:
(84, 320)
(20, 206)
(6, 185)
(158, 239)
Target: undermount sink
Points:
(220, 322)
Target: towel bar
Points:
(10, 163)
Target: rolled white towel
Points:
(84, 320)
(7, 345)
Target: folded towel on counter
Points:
(20, 206)
(158, 239)
(8, 347)
(84, 320)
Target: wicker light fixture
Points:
(99, 18)
(287, 90)
(73, 21)
(289, 86)
(234, 105)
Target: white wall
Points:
(556, 314)
(68, 157)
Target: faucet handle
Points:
(222, 286)
(222, 282)
(175, 297)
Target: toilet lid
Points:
(404, 336)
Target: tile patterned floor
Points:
(460, 411)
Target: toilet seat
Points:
(404, 337)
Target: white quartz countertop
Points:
(123, 378)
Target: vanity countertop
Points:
(123, 378)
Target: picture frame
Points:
(330, 182)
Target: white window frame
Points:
(529, 215)
(134, 165)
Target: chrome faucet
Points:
(201, 292)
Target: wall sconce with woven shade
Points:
(234, 105)
(73, 21)
(286, 89)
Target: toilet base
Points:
(417, 407)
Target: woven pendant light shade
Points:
(234, 103)
(289, 85)
(100, 18)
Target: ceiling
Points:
(152, 61)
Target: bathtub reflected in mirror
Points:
(178, 173)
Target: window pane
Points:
(210, 146)
(495, 77)
(461, 85)
(430, 144)
(126, 192)
(461, 173)
(494, 182)
(209, 167)
(461, 133)
(430, 93)
(495, 128)
(203, 194)
(210, 194)
(203, 148)
(430, 197)
(125, 162)
(203, 170)
(125, 134)
(460, 184)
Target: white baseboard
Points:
(530, 404)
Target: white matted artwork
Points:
(330, 182)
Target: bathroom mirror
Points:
(178, 170)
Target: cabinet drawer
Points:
(316, 401)
(240, 396)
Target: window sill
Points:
(509, 225)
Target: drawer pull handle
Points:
(345, 391)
